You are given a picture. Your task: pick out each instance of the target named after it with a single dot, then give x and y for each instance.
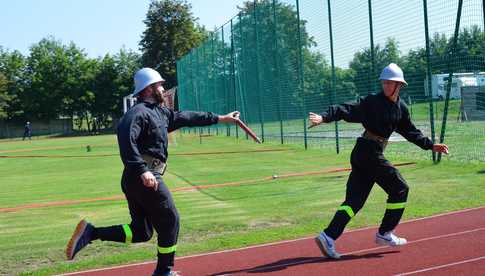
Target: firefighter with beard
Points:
(143, 141)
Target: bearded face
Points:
(157, 92)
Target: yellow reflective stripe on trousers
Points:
(347, 209)
(167, 250)
(128, 233)
(393, 206)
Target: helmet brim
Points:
(136, 92)
(396, 79)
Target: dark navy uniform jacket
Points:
(144, 130)
(380, 116)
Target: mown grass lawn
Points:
(32, 241)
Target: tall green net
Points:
(278, 60)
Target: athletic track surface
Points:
(446, 244)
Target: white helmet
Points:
(394, 73)
(144, 77)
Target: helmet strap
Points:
(395, 93)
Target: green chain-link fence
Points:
(278, 60)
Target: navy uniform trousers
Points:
(149, 209)
(369, 166)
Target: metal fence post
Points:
(428, 75)
(301, 73)
(242, 71)
(233, 74)
(224, 80)
(197, 92)
(257, 70)
(277, 70)
(334, 77)
(372, 49)
(450, 75)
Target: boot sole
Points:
(81, 226)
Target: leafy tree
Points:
(105, 91)
(58, 79)
(78, 89)
(171, 32)
(12, 67)
(469, 57)
(365, 80)
(82, 99)
(4, 97)
(470, 54)
(113, 79)
(127, 62)
(267, 45)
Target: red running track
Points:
(447, 244)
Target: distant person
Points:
(143, 142)
(27, 131)
(380, 114)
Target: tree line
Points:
(277, 64)
(57, 80)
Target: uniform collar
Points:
(389, 101)
(149, 103)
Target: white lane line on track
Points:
(361, 251)
(441, 266)
(269, 244)
(312, 237)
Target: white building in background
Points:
(169, 100)
(439, 84)
(128, 102)
(481, 80)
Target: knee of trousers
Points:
(174, 217)
(176, 223)
(141, 232)
(168, 221)
(401, 194)
(168, 228)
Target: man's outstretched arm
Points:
(178, 119)
(351, 112)
(409, 131)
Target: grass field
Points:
(32, 241)
(465, 139)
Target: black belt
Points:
(154, 164)
(374, 137)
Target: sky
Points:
(97, 26)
